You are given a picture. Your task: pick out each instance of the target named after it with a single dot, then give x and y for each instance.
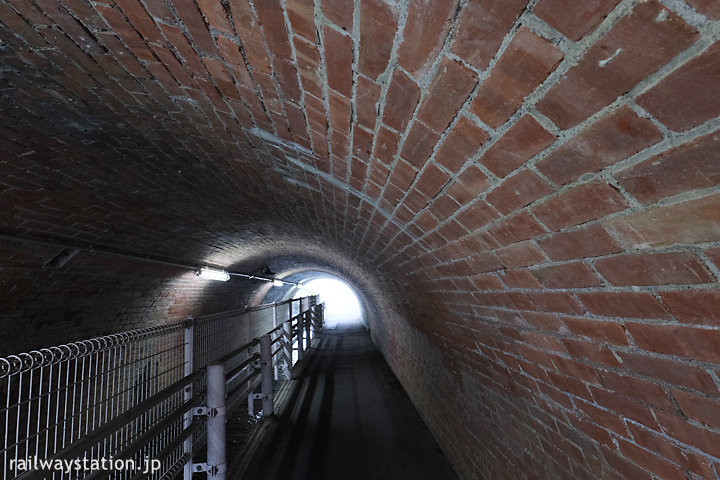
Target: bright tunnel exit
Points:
(342, 305)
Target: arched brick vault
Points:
(524, 192)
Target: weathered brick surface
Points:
(639, 44)
(419, 145)
(448, 91)
(403, 97)
(574, 323)
(654, 269)
(571, 18)
(524, 140)
(461, 144)
(688, 97)
(707, 7)
(425, 30)
(592, 241)
(338, 59)
(482, 27)
(378, 23)
(526, 63)
(580, 204)
(688, 167)
(518, 191)
(694, 221)
(610, 140)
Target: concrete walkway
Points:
(350, 419)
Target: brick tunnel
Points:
(523, 193)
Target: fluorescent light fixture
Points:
(213, 274)
(278, 283)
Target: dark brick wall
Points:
(526, 191)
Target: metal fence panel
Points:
(54, 399)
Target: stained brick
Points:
(521, 254)
(469, 185)
(693, 306)
(339, 12)
(623, 304)
(358, 172)
(520, 278)
(592, 241)
(694, 221)
(378, 23)
(251, 37)
(526, 63)
(687, 167)
(386, 145)
(367, 98)
(340, 111)
(518, 191)
(426, 26)
(689, 342)
(140, 19)
(302, 18)
(660, 444)
(683, 431)
(649, 461)
(308, 63)
(568, 275)
(579, 205)
(449, 89)
(461, 144)
(476, 216)
(183, 47)
(215, 15)
(188, 12)
(700, 409)
(362, 143)
(338, 61)
(125, 31)
(520, 143)
(598, 331)
(654, 269)
(482, 27)
(287, 77)
(419, 144)
(709, 8)
(402, 97)
(486, 282)
(573, 19)
(516, 228)
(689, 96)
(559, 302)
(431, 180)
(601, 145)
(639, 44)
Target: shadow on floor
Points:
(349, 419)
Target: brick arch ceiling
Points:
(538, 180)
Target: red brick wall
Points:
(538, 178)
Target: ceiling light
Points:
(213, 274)
(278, 283)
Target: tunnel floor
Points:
(350, 419)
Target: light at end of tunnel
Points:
(213, 274)
(278, 283)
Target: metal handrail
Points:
(132, 392)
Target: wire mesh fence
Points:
(120, 406)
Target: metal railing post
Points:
(216, 421)
(300, 335)
(308, 319)
(266, 374)
(275, 366)
(187, 395)
(287, 348)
